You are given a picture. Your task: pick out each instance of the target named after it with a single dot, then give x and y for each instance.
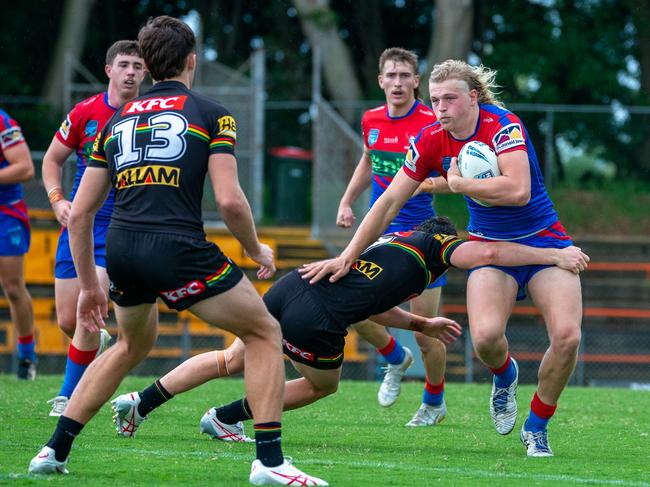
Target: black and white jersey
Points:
(156, 149)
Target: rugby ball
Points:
(478, 161)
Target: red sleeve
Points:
(10, 133)
(69, 133)
(420, 159)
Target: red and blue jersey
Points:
(78, 132)
(387, 139)
(11, 135)
(504, 132)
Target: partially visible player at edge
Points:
(16, 167)
(125, 71)
(156, 152)
(387, 132)
(463, 98)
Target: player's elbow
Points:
(520, 197)
(232, 206)
(29, 172)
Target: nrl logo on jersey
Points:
(373, 137)
(368, 269)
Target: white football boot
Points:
(284, 474)
(218, 430)
(503, 404)
(536, 442)
(126, 417)
(58, 405)
(391, 386)
(46, 463)
(428, 415)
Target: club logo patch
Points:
(373, 137)
(91, 128)
(11, 136)
(412, 156)
(509, 136)
(65, 127)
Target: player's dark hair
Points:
(165, 43)
(400, 55)
(128, 48)
(437, 224)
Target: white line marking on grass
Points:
(228, 455)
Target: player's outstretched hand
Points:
(315, 271)
(573, 259)
(62, 211)
(92, 308)
(443, 329)
(265, 258)
(453, 175)
(345, 217)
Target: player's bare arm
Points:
(512, 188)
(236, 211)
(53, 161)
(443, 329)
(92, 306)
(20, 168)
(474, 254)
(361, 179)
(373, 225)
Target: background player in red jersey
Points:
(16, 166)
(387, 132)
(125, 71)
(520, 210)
(156, 152)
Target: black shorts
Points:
(181, 270)
(309, 334)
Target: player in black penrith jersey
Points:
(156, 152)
(314, 318)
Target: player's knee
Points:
(67, 323)
(267, 329)
(429, 345)
(14, 289)
(324, 390)
(567, 341)
(485, 340)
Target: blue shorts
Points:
(64, 266)
(393, 227)
(14, 236)
(553, 237)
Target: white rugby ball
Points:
(477, 160)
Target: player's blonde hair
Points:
(479, 78)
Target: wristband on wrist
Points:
(55, 195)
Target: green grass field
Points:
(600, 437)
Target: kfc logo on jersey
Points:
(412, 156)
(191, 289)
(295, 350)
(155, 104)
(509, 136)
(65, 127)
(373, 137)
